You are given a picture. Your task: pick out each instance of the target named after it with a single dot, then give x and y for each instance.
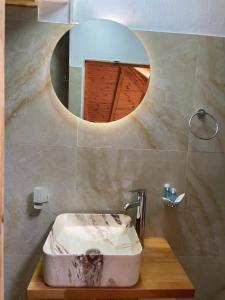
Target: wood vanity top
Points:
(162, 276)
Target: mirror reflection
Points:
(100, 71)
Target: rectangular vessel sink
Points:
(92, 250)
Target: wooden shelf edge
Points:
(110, 294)
(170, 282)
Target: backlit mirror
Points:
(100, 71)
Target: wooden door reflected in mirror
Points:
(100, 71)
(113, 90)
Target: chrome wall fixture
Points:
(202, 114)
(140, 203)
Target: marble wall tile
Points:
(28, 47)
(42, 121)
(18, 270)
(17, 13)
(111, 173)
(207, 275)
(14, 290)
(204, 211)
(42, 139)
(209, 93)
(34, 115)
(27, 167)
(169, 98)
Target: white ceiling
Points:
(205, 17)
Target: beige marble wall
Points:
(90, 167)
(2, 103)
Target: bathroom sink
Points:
(92, 250)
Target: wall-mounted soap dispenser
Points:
(40, 196)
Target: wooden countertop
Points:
(161, 276)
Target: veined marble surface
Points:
(92, 250)
(91, 167)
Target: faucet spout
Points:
(131, 205)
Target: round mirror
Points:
(100, 71)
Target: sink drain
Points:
(93, 252)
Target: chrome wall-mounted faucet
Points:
(140, 203)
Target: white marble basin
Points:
(92, 250)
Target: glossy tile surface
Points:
(204, 211)
(209, 94)
(170, 92)
(91, 167)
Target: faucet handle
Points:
(138, 191)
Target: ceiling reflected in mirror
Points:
(100, 71)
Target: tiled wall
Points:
(2, 49)
(90, 167)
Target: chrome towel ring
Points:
(201, 114)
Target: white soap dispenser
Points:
(40, 196)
